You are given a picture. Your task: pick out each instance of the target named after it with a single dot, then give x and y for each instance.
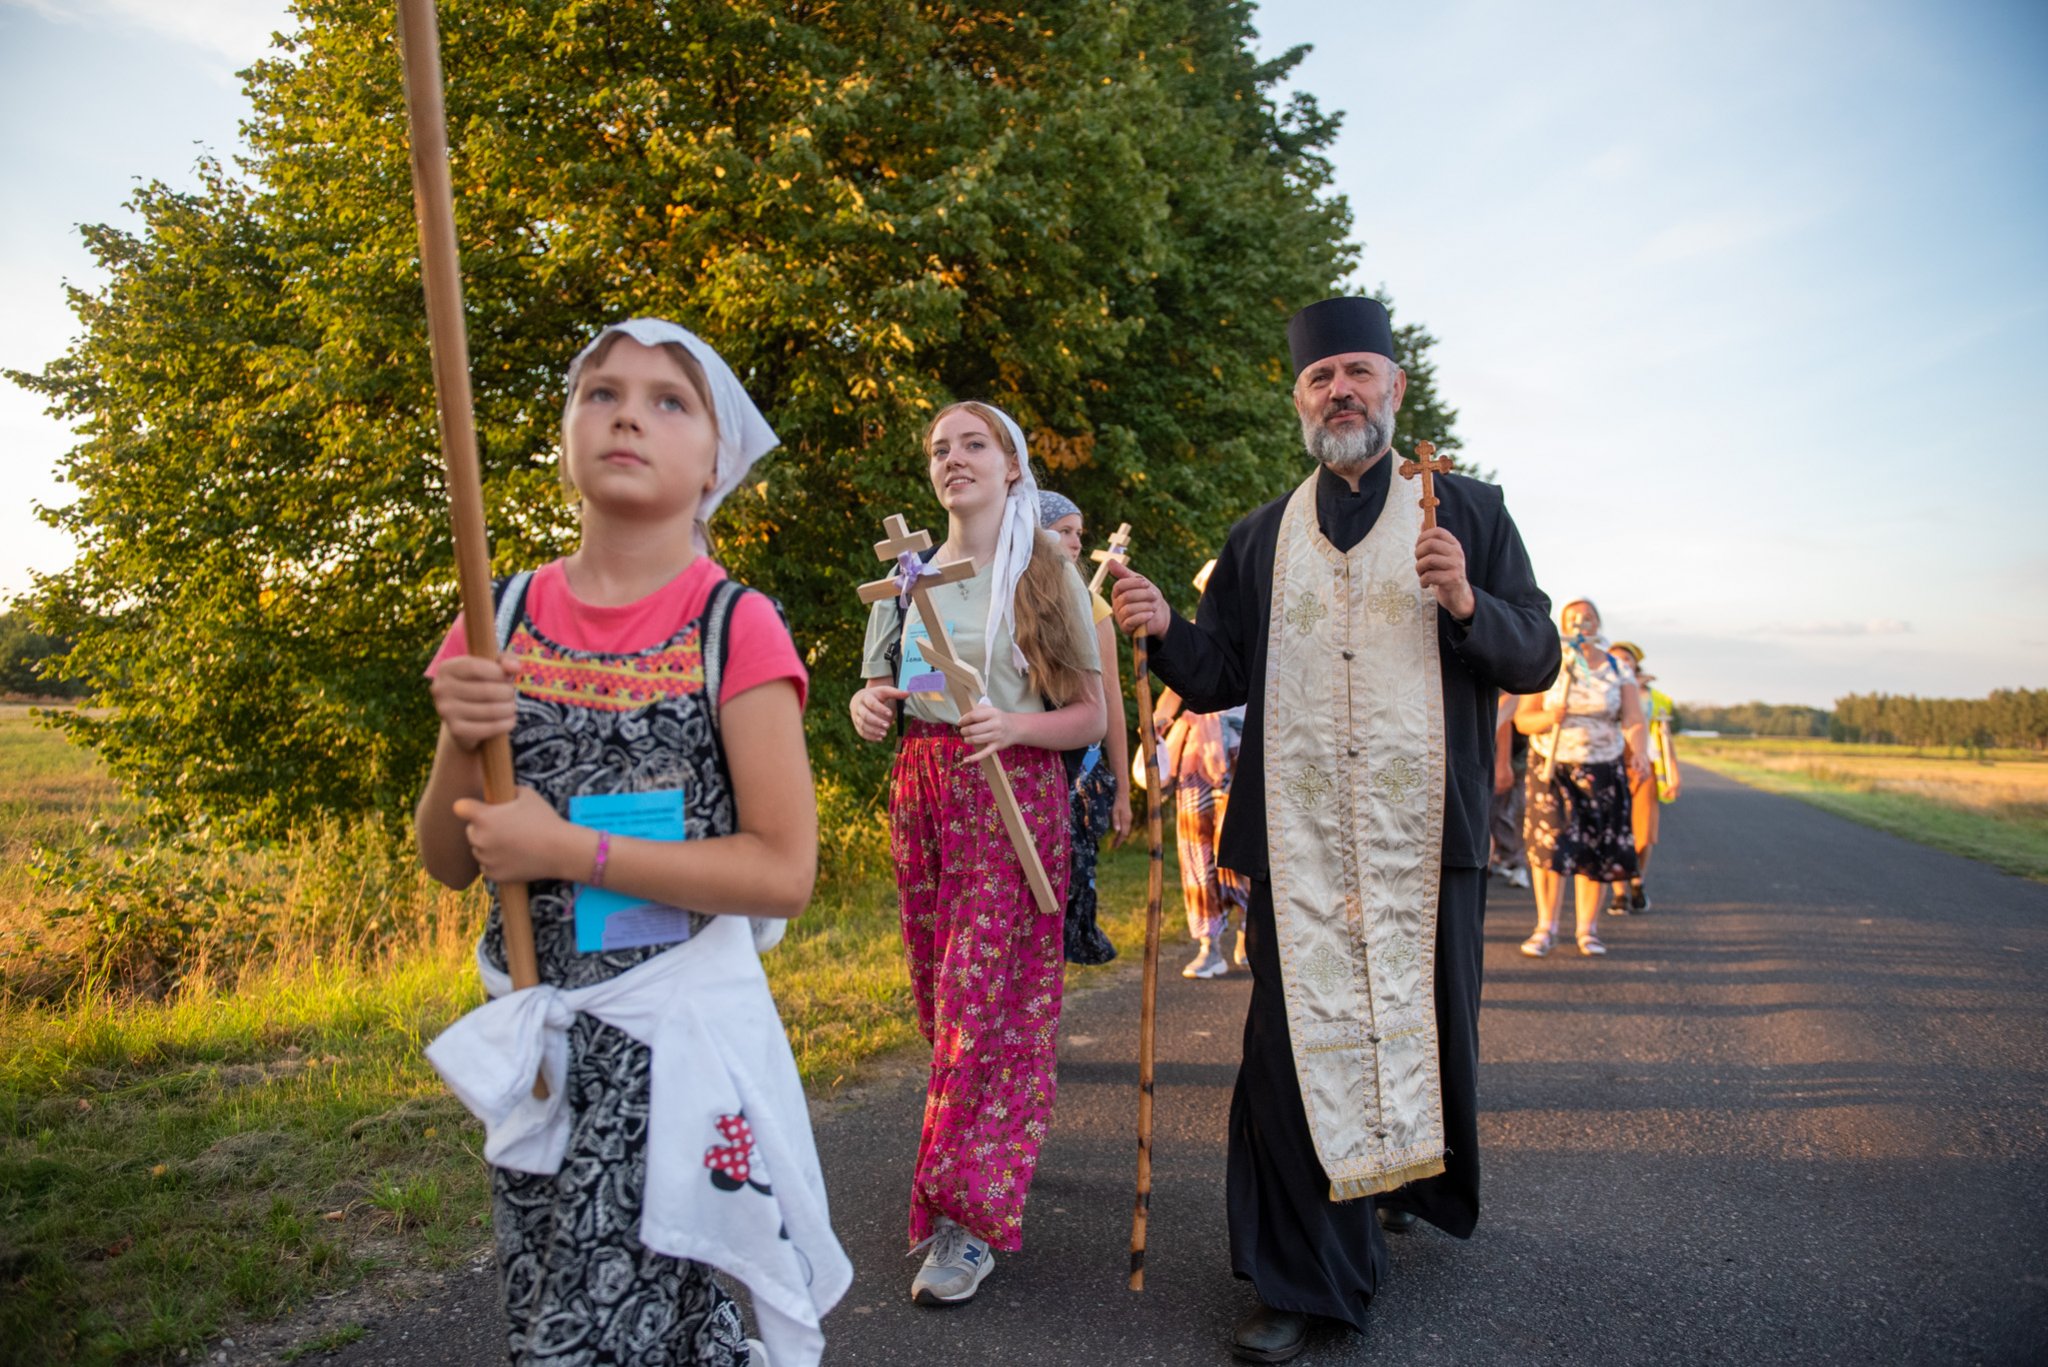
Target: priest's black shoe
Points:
(1396, 1221)
(1269, 1335)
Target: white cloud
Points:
(1713, 235)
(1621, 162)
(238, 30)
(1873, 626)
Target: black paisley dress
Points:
(1094, 798)
(580, 1288)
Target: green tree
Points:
(2013, 718)
(1097, 214)
(1755, 719)
(23, 651)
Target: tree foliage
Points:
(1098, 214)
(1753, 719)
(2010, 718)
(23, 653)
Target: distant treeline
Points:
(22, 652)
(1753, 719)
(2011, 718)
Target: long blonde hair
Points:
(1052, 641)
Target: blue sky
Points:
(1746, 304)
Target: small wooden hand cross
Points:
(1119, 549)
(963, 683)
(1428, 467)
(903, 541)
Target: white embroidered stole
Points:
(1355, 822)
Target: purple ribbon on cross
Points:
(910, 567)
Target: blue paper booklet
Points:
(606, 919)
(917, 674)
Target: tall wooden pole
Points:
(441, 269)
(1155, 890)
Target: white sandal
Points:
(1540, 944)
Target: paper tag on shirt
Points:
(917, 674)
(607, 919)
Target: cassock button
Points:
(1349, 656)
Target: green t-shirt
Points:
(964, 605)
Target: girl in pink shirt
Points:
(636, 673)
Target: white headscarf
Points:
(744, 436)
(1013, 542)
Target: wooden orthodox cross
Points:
(441, 272)
(1428, 468)
(1119, 549)
(963, 681)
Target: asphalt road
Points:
(1799, 1114)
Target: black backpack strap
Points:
(1070, 760)
(717, 647)
(509, 594)
(725, 597)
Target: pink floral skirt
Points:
(985, 968)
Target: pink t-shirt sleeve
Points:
(761, 651)
(455, 643)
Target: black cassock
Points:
(1299, 1249)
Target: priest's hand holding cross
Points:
(1439, 559)
(1140, 607)
(1440, 564)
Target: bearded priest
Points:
(1369, 653)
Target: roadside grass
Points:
(170, 1167)
(326, 1343)
(264, 1127)
(48, 788)
(1992, 808)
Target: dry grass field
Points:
(1991, 806)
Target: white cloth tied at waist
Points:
(718, 1051)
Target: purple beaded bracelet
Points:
(604, 849)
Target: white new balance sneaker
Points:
(954, 1269)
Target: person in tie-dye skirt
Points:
(1199, 755)
(985, 960)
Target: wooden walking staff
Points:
(1119, 548)
(441, 270)
(963, 683)
(1155, 890)
(1429, 468)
